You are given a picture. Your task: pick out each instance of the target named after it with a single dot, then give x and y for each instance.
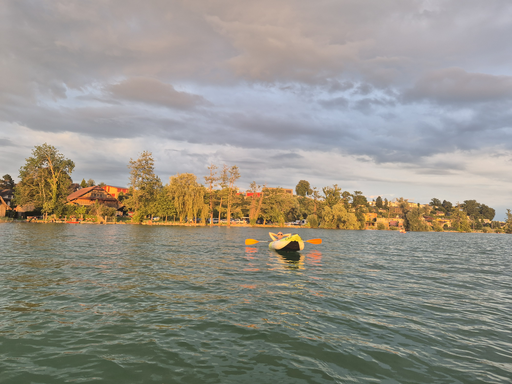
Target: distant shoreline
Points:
(177, 224)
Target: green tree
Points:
(339, 217)
(164, 206)
(7, 182)
(332, 195)
(144, 185)
(436, 226)
(316, 199)
(435, 203)
(358, 199)
(471, 207)
(447, 206)
(45, 180)
(256, 202)
(460, 220)
(83, 184)
(187, 196)
(303, 188)
(487, 212)
(211, 182)
(378, 202)
(414, 221)
(91, 183)
(234, 175)
(508, 223)
(313, 221)
(276, 204)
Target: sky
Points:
(394, 98)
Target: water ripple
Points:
(123, 304)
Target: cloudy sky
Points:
(395, 98)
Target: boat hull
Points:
(291, 243)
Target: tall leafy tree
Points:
(460, 219)
(231, 175)
(164, 206)
(447, 206)
(256, 202)
(487, 212)
(83, 184)
(414, 220)
(144, 185)
(338, 217)
(508, 225)
(7, 182)
(358, 199)
(277, 205)
(378, 202)
(45, 179)
(187, 196)
(332, 195)
(211, 182)
(303, 188)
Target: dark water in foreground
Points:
(136, 304)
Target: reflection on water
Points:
(315, 258)
(120, 304)
(290, 260)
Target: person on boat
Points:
(278, 236)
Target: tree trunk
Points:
(228, 213)
(220, 208)
(259, 206)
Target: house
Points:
(395, 211)
(397, 223)
(285, 191)
(443, 222)
(90, 195)
(115, 191)
(6, 196)
(251, 194)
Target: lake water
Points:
(140, 304)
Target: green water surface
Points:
(139, 304)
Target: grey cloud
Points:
(302, 72)
(340, 86)
(363, 89)
(6, 143)
(366, 104)
(152, 91)
(336, 102)
(455, 85)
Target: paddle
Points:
(253, 241)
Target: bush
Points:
(313, 221)
(381, 226)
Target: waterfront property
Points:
(115, 191)
(90, 195)
(6, 196)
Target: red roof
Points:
(75, 195)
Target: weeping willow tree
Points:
(144, 185)
(187, 196)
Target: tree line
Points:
(45, 182)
